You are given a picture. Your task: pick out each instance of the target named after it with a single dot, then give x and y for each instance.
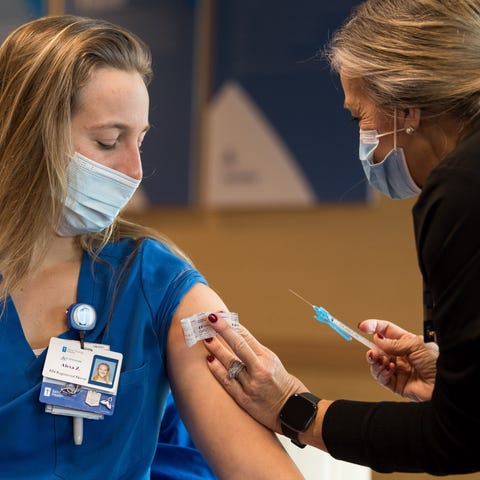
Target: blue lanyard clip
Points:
(81, 317)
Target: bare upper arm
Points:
(224, 433)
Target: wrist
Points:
(297, 415)
(314, 434)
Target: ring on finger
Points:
(234, 369)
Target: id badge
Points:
(80, 381)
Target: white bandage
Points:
(197, 327)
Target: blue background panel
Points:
(272, 49)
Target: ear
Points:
(412, 118)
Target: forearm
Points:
(402, 436)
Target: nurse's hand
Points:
(411, 367)
(263, 386)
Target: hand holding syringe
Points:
(343, 330)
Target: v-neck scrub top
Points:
(134, 309)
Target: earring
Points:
(409, 130)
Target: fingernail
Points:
(370, 357)
(209, 339)
(212, 317)
(380, 336)
(210, 358)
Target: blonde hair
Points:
(414, 53)
(96, 376)
(43, 65)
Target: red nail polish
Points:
(380, 336)
(209, 339)
(212, 317)
(210, 358)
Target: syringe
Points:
(343, 330)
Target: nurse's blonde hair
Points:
(43, 65)
(414, 53)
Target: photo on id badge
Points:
(103, 371)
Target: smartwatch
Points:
(297, 415)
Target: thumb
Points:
(382, 327)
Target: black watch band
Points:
(287, 430)
(293, 436)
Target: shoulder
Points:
(148, 260)
(152, 270)
(155, 255)
(161, 269)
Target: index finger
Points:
(244, 344)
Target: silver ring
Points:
(234, 370)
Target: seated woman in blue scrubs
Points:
(73, 115)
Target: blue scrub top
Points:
(176, 457)
(134, 309)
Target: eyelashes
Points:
(106, 146)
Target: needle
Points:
(343, 330)
(301, 298)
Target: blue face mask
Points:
(391, 175)
(95, 195)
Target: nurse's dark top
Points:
(439, 436)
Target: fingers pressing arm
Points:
(263, 386)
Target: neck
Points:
(60, 250)
(440, 135)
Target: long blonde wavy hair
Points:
(43, 64)
(414, 53)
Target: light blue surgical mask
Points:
(95, 195)
(390, 176)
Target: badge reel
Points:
(81, 317)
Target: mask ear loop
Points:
(394, 131)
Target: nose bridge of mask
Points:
(103, 171)
(369, 136)
(368, 143)
(372, 136)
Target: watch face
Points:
(298, 413)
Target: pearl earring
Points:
(409, 130)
